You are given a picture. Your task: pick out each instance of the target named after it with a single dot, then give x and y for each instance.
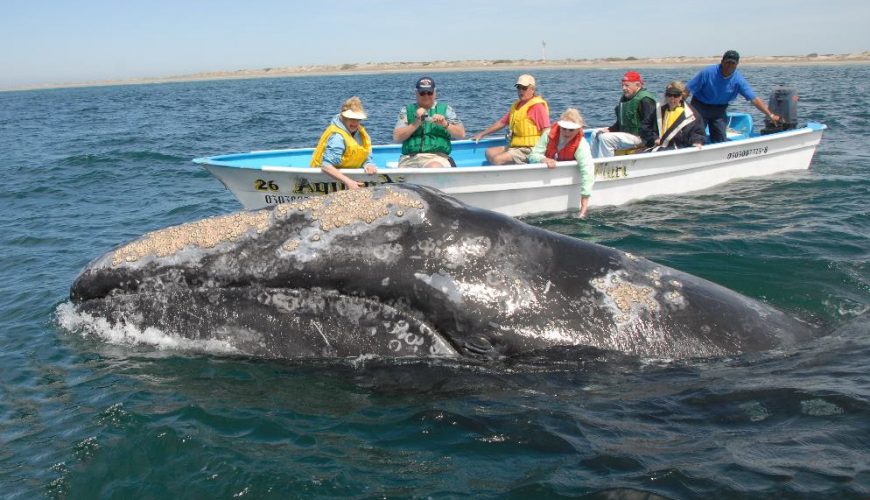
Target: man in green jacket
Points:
(425, 129)
(635, 120)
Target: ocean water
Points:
(148, 416)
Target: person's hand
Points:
(420, 113)
(698, 145)
(775, 118)
(440, 120)
(352, 184)
(551, 163)
(584, 206)
(476, 137)
(370, 168)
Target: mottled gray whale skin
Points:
(406, 271)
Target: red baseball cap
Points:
(631, 76)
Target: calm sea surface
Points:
(81, 417)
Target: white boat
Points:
(263, 178)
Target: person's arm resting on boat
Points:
(370, 167)
(498, 125)
(332, 156)
(538, 154)
(697, 134)
(336, 174)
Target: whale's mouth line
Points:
(255, 319)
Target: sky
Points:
(71, 41)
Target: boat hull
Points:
(520, 190)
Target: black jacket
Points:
(648, 127)
(691, 130)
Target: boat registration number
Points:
(303, 188)
(743, 153)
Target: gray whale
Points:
(404, 271)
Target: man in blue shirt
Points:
(717, 85)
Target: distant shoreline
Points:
(468, 65)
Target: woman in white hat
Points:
(564, 141)
(345, 144)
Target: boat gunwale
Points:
(809, 128)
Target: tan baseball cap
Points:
(526, 81)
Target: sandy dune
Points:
(475, 65)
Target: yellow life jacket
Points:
(669, 118)
(354, 155)
(524, 132)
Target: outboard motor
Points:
(782, 102)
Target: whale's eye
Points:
(478, 344)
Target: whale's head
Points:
(406, 271)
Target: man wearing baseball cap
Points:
(717, 85)
(425, 129)
(528, 117)
(635, 125)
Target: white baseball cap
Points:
(354, 115)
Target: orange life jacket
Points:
(567, 152)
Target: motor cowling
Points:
(783, 102)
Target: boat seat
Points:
(628, 151)
(395, 164)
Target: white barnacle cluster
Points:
(655, 275)
(352, 206)
(673, 298)
(676, 299)
(624, 295)
(340, 210)
(206, 233)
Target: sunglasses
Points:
(671, 94)
(425, 93)
(522, 87)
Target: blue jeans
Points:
(716, 118)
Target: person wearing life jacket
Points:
(345, 144)
(635, 125)
(526, 119)
(425, 129)
(715, 86)
(679, 124)
(564, 141)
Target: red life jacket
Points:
(566, 153)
